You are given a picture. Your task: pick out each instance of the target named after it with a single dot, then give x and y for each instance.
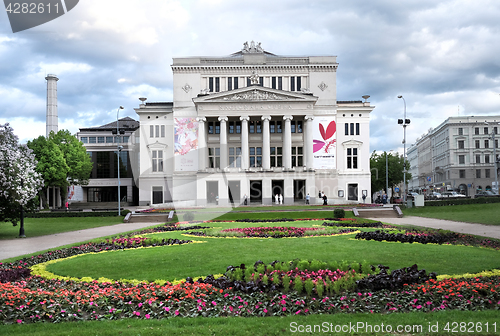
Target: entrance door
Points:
(352, 192)
(157, 195)
(278, 187)
(234, 192)
(212, 191)
(256, 191)
(299, 187)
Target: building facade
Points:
(251, 126)
(457, 155)
(102, 144)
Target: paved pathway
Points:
(492, 231)
(21, 246)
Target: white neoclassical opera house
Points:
(250, 126)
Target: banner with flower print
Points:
(186, 144)
(324, 142)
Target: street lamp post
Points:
(21, 229)
(404, 122)
(496, 160)
(119, 148)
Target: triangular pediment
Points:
(255, 93)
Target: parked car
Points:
(452, 194)
(412, 195)
(435, 195)
(486, 193)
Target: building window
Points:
(486, 158)
(346, 129)
(100, 139)
(461, 159)
(495, 130)
(296, 126)
(235, 157)
(84, 139)
(460, 131)
(251, 126)
(126, 138)
(352, 158)
(487, 173)
(277, 83)
(486, 130)
(461, 144)
(478, 158)
(258, 126)
(297, 157)
(478, 173)
(272, 128)
(234, 127)
(92, 140)
(214, 84)
(231, 127)
(295, 83)
(157, 160)
(461, 173)
(357, 128)
(476, 130)
(214, 157)
(217, 127)
(276, 156)
(478, 145)
(232, 83)
(255, 156)
(109, 139)
(162, 131)
(151, 131)
(486, 143)
(103, 165)
(157, 131)
(238, 127)
(349, 129)
(210, 127)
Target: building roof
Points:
(126, 123)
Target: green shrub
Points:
(309, 286)
(298, 285)
(338, 213)
(286, 283)
(320, 288)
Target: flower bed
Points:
(429, 236)
(270, 232)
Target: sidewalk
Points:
(21, 246)
(492, 231)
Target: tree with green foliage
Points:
(64, 159)
(19, 181)
(51, 165)
(395, 164)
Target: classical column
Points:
(308, 143)
(223, 142)
(287, 142)
(266, 143)
(244, 142)
(202, 144)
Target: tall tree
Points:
(51, 165)
(19, 180)
(395, 165)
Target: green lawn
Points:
(215, 254)
(471, 213)
(34, 227)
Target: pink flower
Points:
(199, 308)
(214, 303)
(298, 312)
(176, 312)
(166, 308)
(19, 321)
(140, 304)
(148, 316)
(137, 313)
(265, 310)
(284, 308)
(419, 306)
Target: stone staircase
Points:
(382, 212)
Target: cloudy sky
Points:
(442, 56)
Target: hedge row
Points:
(460, 201)
(44, 214)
